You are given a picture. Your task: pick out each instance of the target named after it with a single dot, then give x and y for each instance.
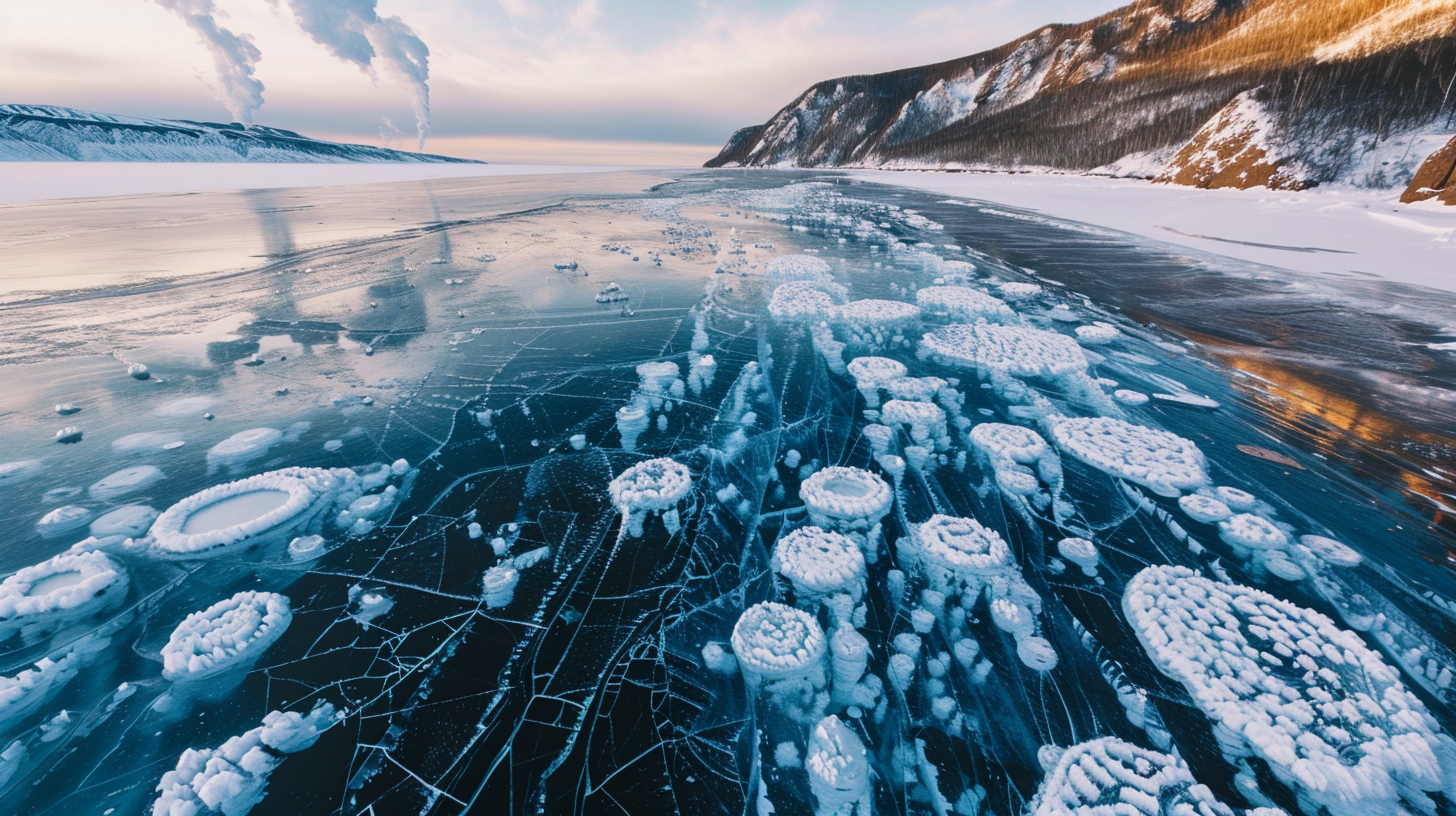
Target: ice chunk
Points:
(232, 778)
(70, 435)
(819, 563)
(1163, 462)
(230, 635)
(1097, 334)
(125, 481)
(1281, 682)
(1088, 778)
(306, 548)
(653, 486)
(63, 520)
(838, 767)
(243, 447)
(1252, 532)
(277, 505)
(129, 521)
(1020, 291)
(368, 604)
(1127, 397)
(1203, 508)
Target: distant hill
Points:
(1210, 93)
(47, 133)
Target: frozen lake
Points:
(709, 492)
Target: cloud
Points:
(353, 31)
(234, 55)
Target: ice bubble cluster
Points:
(774, 642)
(1081, 552)
(963, 304)
(233, 778)
(1019, 457)
(924, 421)
(798, 268)
(800, 301)
(1163, 462)
(874, 373)
(1204, 509)
(839, 771)
(277, 505)
(1331, 551)
(229, 635)
(653, 486)
(849, 500)
(60, 589)
(877, 323)
(1020, 291)
(1284, 684)
(1116, 778)
(820, 563)
(1097, 334)
(1016, 351)
(500, 585)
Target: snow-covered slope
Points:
(1325, 85)
(47, 133)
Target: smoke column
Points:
(234, 56)
(353, 31)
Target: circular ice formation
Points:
(838, 767)
(230, 634)
(1253, 532)
(961, 546)
(1240, 501)
(1097, 334)
(876, 322)
(126, 480)
(130, 521)
(1204, 509)
(800, 300)
(1331, 718)
(1014, 350)
(1014, 452)
(67, 586)
(775, 641)
(14, 472)
(798, 268)
(820, 562)
(846, 496)
(500, 585)
(1087, 777)
(263, 507)
(653, 486)
(1036, 653)
(243, 447)
(63, 520)
(961, 303)
(1331, 551)
(1158, 460)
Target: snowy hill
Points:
(46, 133)
(1352, 91)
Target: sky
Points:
(576, 81)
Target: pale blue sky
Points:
(503, 73)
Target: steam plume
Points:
(353, 31)
(234, 56)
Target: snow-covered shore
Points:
(1335, 232)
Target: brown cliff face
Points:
(1436, 178)
(1237, 148)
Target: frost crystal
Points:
(1331, 718)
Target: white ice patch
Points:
(838, 767)
(1204, 509)
(1160, 461)
(874, 373)
(499, 584)
(776, 642)
(1097, 334)
(243, 447)
(126, 481)
(1014, 350)
(798, 268)
(801, 301)
(145, 441)
(1331, 718)
(1110, 776)
(129, 521)
(963, 304)
(847, 499)
(229, 635)
(63, 520)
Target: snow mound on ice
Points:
(798, 268)
(653, 486)
(1330, 717)
(127, 480)
(1205, 509)
(243, 447)
(800, 300)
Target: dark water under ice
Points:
(456, 343)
